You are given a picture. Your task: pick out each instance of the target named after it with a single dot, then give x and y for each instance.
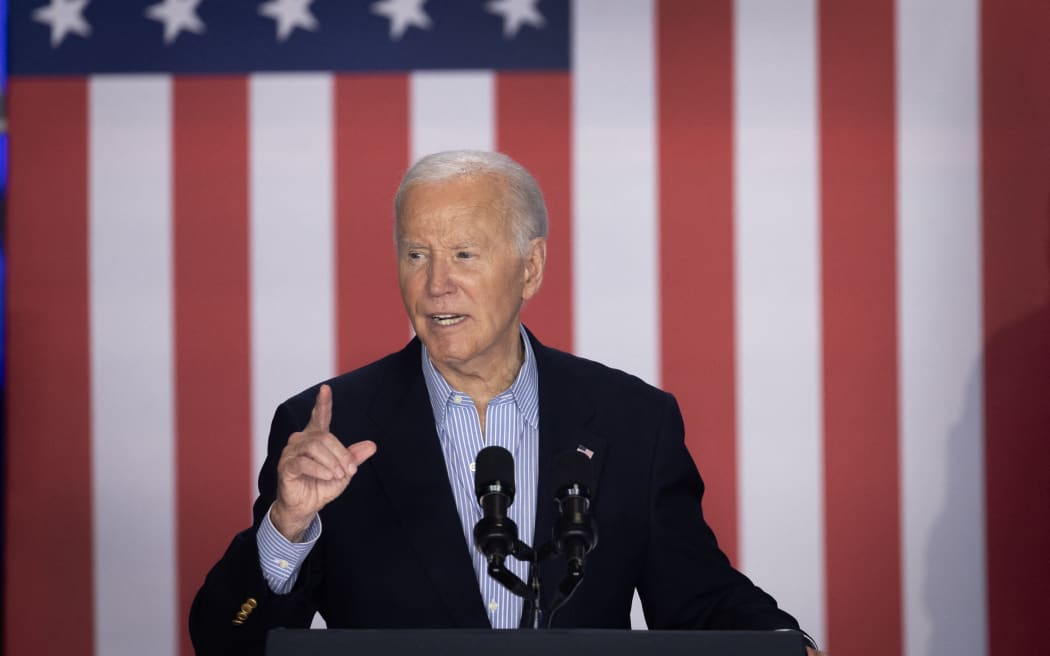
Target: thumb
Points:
(321, 415)
(361, 451)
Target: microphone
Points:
(575, 531)
(495, 534)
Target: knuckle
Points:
(315, 449)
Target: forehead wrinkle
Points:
(446, 237)
(456, 219)
(451, 232)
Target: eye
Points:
(413, 255)
(465, 255)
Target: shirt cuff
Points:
(280, 559)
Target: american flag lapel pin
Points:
(585, 451)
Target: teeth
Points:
(447, 319)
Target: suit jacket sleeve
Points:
(237, 577)
(687, 581)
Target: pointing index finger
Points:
(321, 415)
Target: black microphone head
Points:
(494, 468)
(573, 468)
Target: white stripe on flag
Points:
(939, 231)
(131, 365)
(292, 285)
(777, 265)
(615, 274)
(615, 263)
(451, 111)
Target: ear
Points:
(535, 262)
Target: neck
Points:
(484, 384)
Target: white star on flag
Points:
(289, 15)
(403, 14)
(64, 17)
(515, 14)
(177, 15)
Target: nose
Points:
(439, 278)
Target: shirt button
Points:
(493, 605)
(282, 563)
(457, 399)
(473, 466)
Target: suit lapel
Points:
(565, 415)
(411, 468)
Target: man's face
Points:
(463, 280)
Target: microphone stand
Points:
(530, 592)
(572, 580)
(533, 614)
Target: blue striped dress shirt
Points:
(512, 422)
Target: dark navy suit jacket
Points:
(392, 552)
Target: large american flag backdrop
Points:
(823, 225)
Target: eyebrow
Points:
(413, 244)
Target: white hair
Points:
(528, 212)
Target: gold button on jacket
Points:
(246, 609)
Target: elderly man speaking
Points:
(366, 504)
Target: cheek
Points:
(409, 279)
(510, 287)
(409, 294)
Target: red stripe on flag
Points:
(533, 125)
(858, 250)
(1015, 111)
(695, 98)
(371, 154)
(49, 580)
(212, 334)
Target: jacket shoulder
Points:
(599, 380)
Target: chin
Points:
(439, 346)
(448, 355)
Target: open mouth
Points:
(446, 319)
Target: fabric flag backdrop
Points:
(823, 225)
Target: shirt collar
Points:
(524, 389)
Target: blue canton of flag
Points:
(240, 36)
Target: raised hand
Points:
(314, 468)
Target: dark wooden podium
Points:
(550, 642)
